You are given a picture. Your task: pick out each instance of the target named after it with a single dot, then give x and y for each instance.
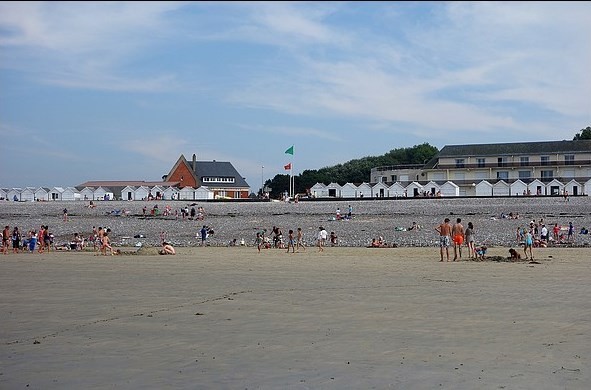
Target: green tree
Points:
(583, 134)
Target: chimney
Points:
(194, 162)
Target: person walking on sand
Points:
(469, 234)
(529, 243)
(457, 233)
(5, 239)
(290, 241)
(259, 241)
(300, 240)
(444, 231)
(321, 240)
(106, 243)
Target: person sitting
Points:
(513, 255)
(333, 239)
(167, 249)
(480, 252)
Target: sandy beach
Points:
(355, 318)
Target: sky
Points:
(119, 90)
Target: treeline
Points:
(354, 171)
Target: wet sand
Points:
(354, 318)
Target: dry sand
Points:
(347, 318)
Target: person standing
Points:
(290, 241)
(444, 231)
(41, 239)
(529, 243)
(300, 240)
(5, 239)
(457, 233)
(16, 240)
(321, 240)
(350, 213)
(470, 240)
(65, 214)
(203, 235)
(571, 232)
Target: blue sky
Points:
(118, 91)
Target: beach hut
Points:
(518, 188)
(555, 187)
(501, 188)
(319, 190)
(171, 193)
(187, 193)
(349, 190)
(103, 193)
(413, 189)
(70, 193)
(363, 190)
(3, 193)
(28, 194)
(42, 194)
(484, 188)
(449, 188)
(128, 193)
(334, 190)
(587, 188)
(396, 190)
(56, 193)
(87, 193)
(536, 187)
(157, 191)
(380, 190)
(203, 193)
(432, 188)
(573, 187)
(141, 193)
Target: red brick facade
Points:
(183, 175)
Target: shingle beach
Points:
(241, 220)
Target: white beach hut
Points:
(3, 192)
(414, 189)
(42, 194)
(484, 188)
(141, 193)
(501, 188)
(103, 193)
(449, 188)
(128, 193)
(363, 190)
(536, 187)
(203, 193)
(573, 187)
(157, 191)
(87, 193)
(319, 190)
(396, 190)
(518, 188)
(380, 190)
(70, 193)
(555, 187)
(187, 193)
(56, 193)
(432, 188)
(587, 188)
(14, 194)
(334, 190)
(171, 193)
(28, 194)
(349, 190)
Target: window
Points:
(218, 179)
(384, 179)
(524, 161)
(459, 163)
(394, 178)
(503, 175)
(502, 162)
(547, 175)
(545, 160)
(569, 159)
(481, 162)
(524, 175)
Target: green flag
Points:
(290, 150)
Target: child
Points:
(290, 241)
(529, 243)
(480, 252)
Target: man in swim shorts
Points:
(457, 233)
(444, 231)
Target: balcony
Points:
(515, 164)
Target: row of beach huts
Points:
(450, 189)
(32, 194)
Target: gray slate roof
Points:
(516, 148)
(218, 169)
